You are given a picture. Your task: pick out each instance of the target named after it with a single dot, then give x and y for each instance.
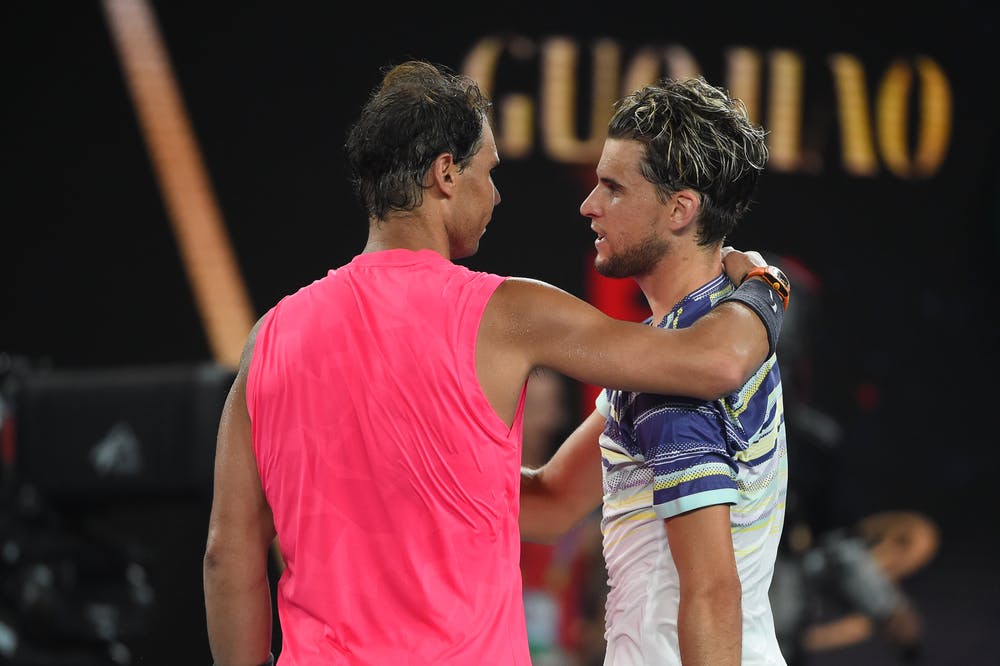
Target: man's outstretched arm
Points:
(528, 324)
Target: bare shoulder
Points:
(237, 392)
(535, 323)
(521, 289)
(247, 356)
(519, 301)
(234, 424)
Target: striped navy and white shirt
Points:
(666, 455)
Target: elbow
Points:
(727, 377)
(733, 368)
(222, 558)
(718, 592)
(213, 562)
(735, 376)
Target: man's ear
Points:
(686, 206)
(442, 173)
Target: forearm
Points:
(238, 611)
(564, 490)
(709, 623)
(710, 628)
(539, 517)
(544, 516)
(547, 327)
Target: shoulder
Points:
(531, 309)
(246, 358)
(527, 294)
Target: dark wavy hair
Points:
(419, 111)
(696, 136)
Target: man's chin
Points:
(607, 270)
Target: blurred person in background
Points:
(837, 580)
(693, 490)
(543, 574)
(386, 403)
(564, 583)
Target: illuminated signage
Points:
(905, 129)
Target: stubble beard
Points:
(639, 259)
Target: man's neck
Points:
(409, 231)
(675, 277)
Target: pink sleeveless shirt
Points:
(393, 483)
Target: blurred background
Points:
(174, 168)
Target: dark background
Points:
(91, 280)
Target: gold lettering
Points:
(642, 70)
(572, 130)
(515, 126)
(481, 63)
(893, 100)
(645, 68)
(785, 111)
(743, 78)
(935, 126)
(517, 138)
(858, 151)
(680, 63)
(893, 119)
(559, 99)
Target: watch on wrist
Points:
(775, 277)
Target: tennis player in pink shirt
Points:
(374, 426)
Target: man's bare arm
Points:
(710, 617)
(540, 325)
(528, 323)
(237, 590)
(561, 493)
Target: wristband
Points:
(775, 277)
(759, 297)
